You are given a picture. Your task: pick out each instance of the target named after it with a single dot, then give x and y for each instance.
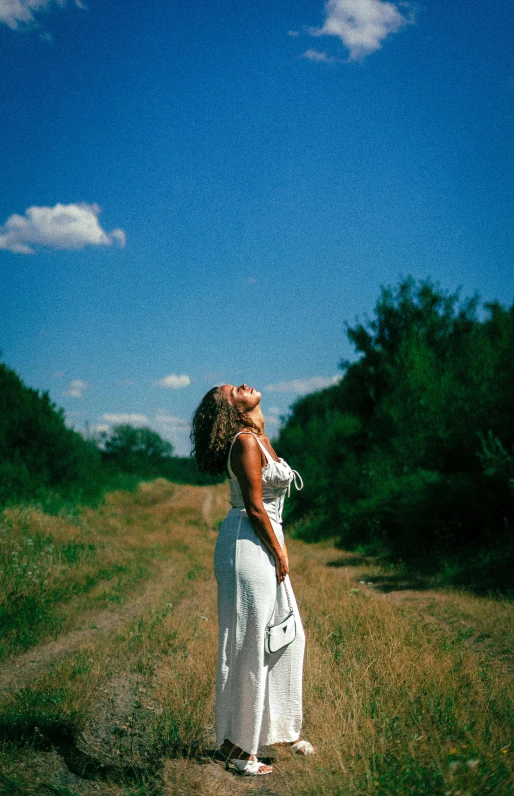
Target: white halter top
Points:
(277, 478)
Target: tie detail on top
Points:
(277, 478)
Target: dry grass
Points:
(406, 692)
(397, 704)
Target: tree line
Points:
(412, 452)
(42, 459)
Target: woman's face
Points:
(243, 397)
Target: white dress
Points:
(258, 695)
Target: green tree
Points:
(143, 452)
(38, 452)
(125, 440)
(138, 450)
(406, 449)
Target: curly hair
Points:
(215, 423)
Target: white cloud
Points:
(173, 382)
(361, 25)
(172, 421)
(100, 428)
(132, 419)
(76, 388)
(315, 55)
(303, 386)
(174, 429)
(19, 14)
(60, 227)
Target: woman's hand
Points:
(282, 566)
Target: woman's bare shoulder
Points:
(245, 441)
(247, 450)
(247, 456)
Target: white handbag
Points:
(280, 635)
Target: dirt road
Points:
(136, 681)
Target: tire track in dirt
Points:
(437, 606)
(16, 672)
(207, 506)
(422, 603)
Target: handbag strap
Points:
(269, 625)
(288, 598)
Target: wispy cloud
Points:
(76, 388)
(315, 55)
(20, 14)
(271, 420)
(173, 382)
(362, 25)
(171, 427)
(133, 419)
(100, 428)
(175, 429)
(161, 419)
(74, 414)
(171, 420)
(60, 227)
(303, 386)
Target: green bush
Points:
(414, 448)
(39, 454)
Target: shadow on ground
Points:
(351, 561)
(387, 582)
(467, 573)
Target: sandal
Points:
(245, 767)
(250, 768)
(302, 748)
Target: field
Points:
(109, 651)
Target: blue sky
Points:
(194, 193)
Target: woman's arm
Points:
(246, 463)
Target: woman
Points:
(258, 695)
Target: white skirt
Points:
(258, 696)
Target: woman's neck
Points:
(257, 418)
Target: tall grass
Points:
(51, 568)
(398, 704)
(405, 693)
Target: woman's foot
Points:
(251, 767)
(244, 763)
(302, 748)
(298, 747)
